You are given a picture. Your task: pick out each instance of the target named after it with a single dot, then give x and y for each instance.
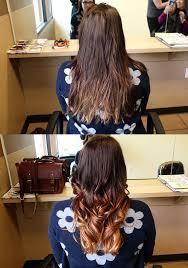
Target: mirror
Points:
(18, 147)
(50, 19)
(142, 162)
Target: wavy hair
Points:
(101, 201)
(102, 88)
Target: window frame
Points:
(45, 18)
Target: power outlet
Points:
(186, 72)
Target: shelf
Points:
(139, 189)
(133, 46)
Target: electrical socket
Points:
(186, 72)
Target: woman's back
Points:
(138, 233)
(103, 91)
(127, 125)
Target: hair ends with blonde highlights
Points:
(101, 196)
(102, 88)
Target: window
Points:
(40, 145)
(68, 145)
(43, 13)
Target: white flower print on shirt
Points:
(138, 104)
(139, 248)
(135, 76)
(100, 259)
(68, 78)
(91, 131)
(64, 248)
(83, 128)
(126, 127)
(79, 128)
(60, 265)
(66, 219)
(135, 224)
(67, 101)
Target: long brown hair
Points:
(102, 88)
(101, 201)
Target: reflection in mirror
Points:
(18, 147)
(174, 18)
(180, 151)
(143, 156)
(31, 19)
(51, 19)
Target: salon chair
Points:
(169, 110)
(56, 123)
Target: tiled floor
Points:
(174, 124)
(172, 265)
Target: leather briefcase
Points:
(46, 175)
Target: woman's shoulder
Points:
(64, 74)
(139, 73)
(138, 205)
(138, 66)
(65, 65)
(62, 206)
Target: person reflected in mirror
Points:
(74, 7)
(101, 226)
(103, 91)
(174, 18)
(77, 16)
(155, 8)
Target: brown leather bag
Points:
(46, 175)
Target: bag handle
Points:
(34, 208)
(22, 196)
(50, 157)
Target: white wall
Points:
(181, 151)
(24, 23)
(145, 153)
(133, 14)
(62, 17)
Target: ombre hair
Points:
(102, 88)
(101, 196)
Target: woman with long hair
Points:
(103, 90)
(101, 225)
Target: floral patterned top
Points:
(128, 125)
(138, 232)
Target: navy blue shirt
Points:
(138, 233)
(128, 125)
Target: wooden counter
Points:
(139, 189)
(133, 45)
(168, 208)
(166, 67)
